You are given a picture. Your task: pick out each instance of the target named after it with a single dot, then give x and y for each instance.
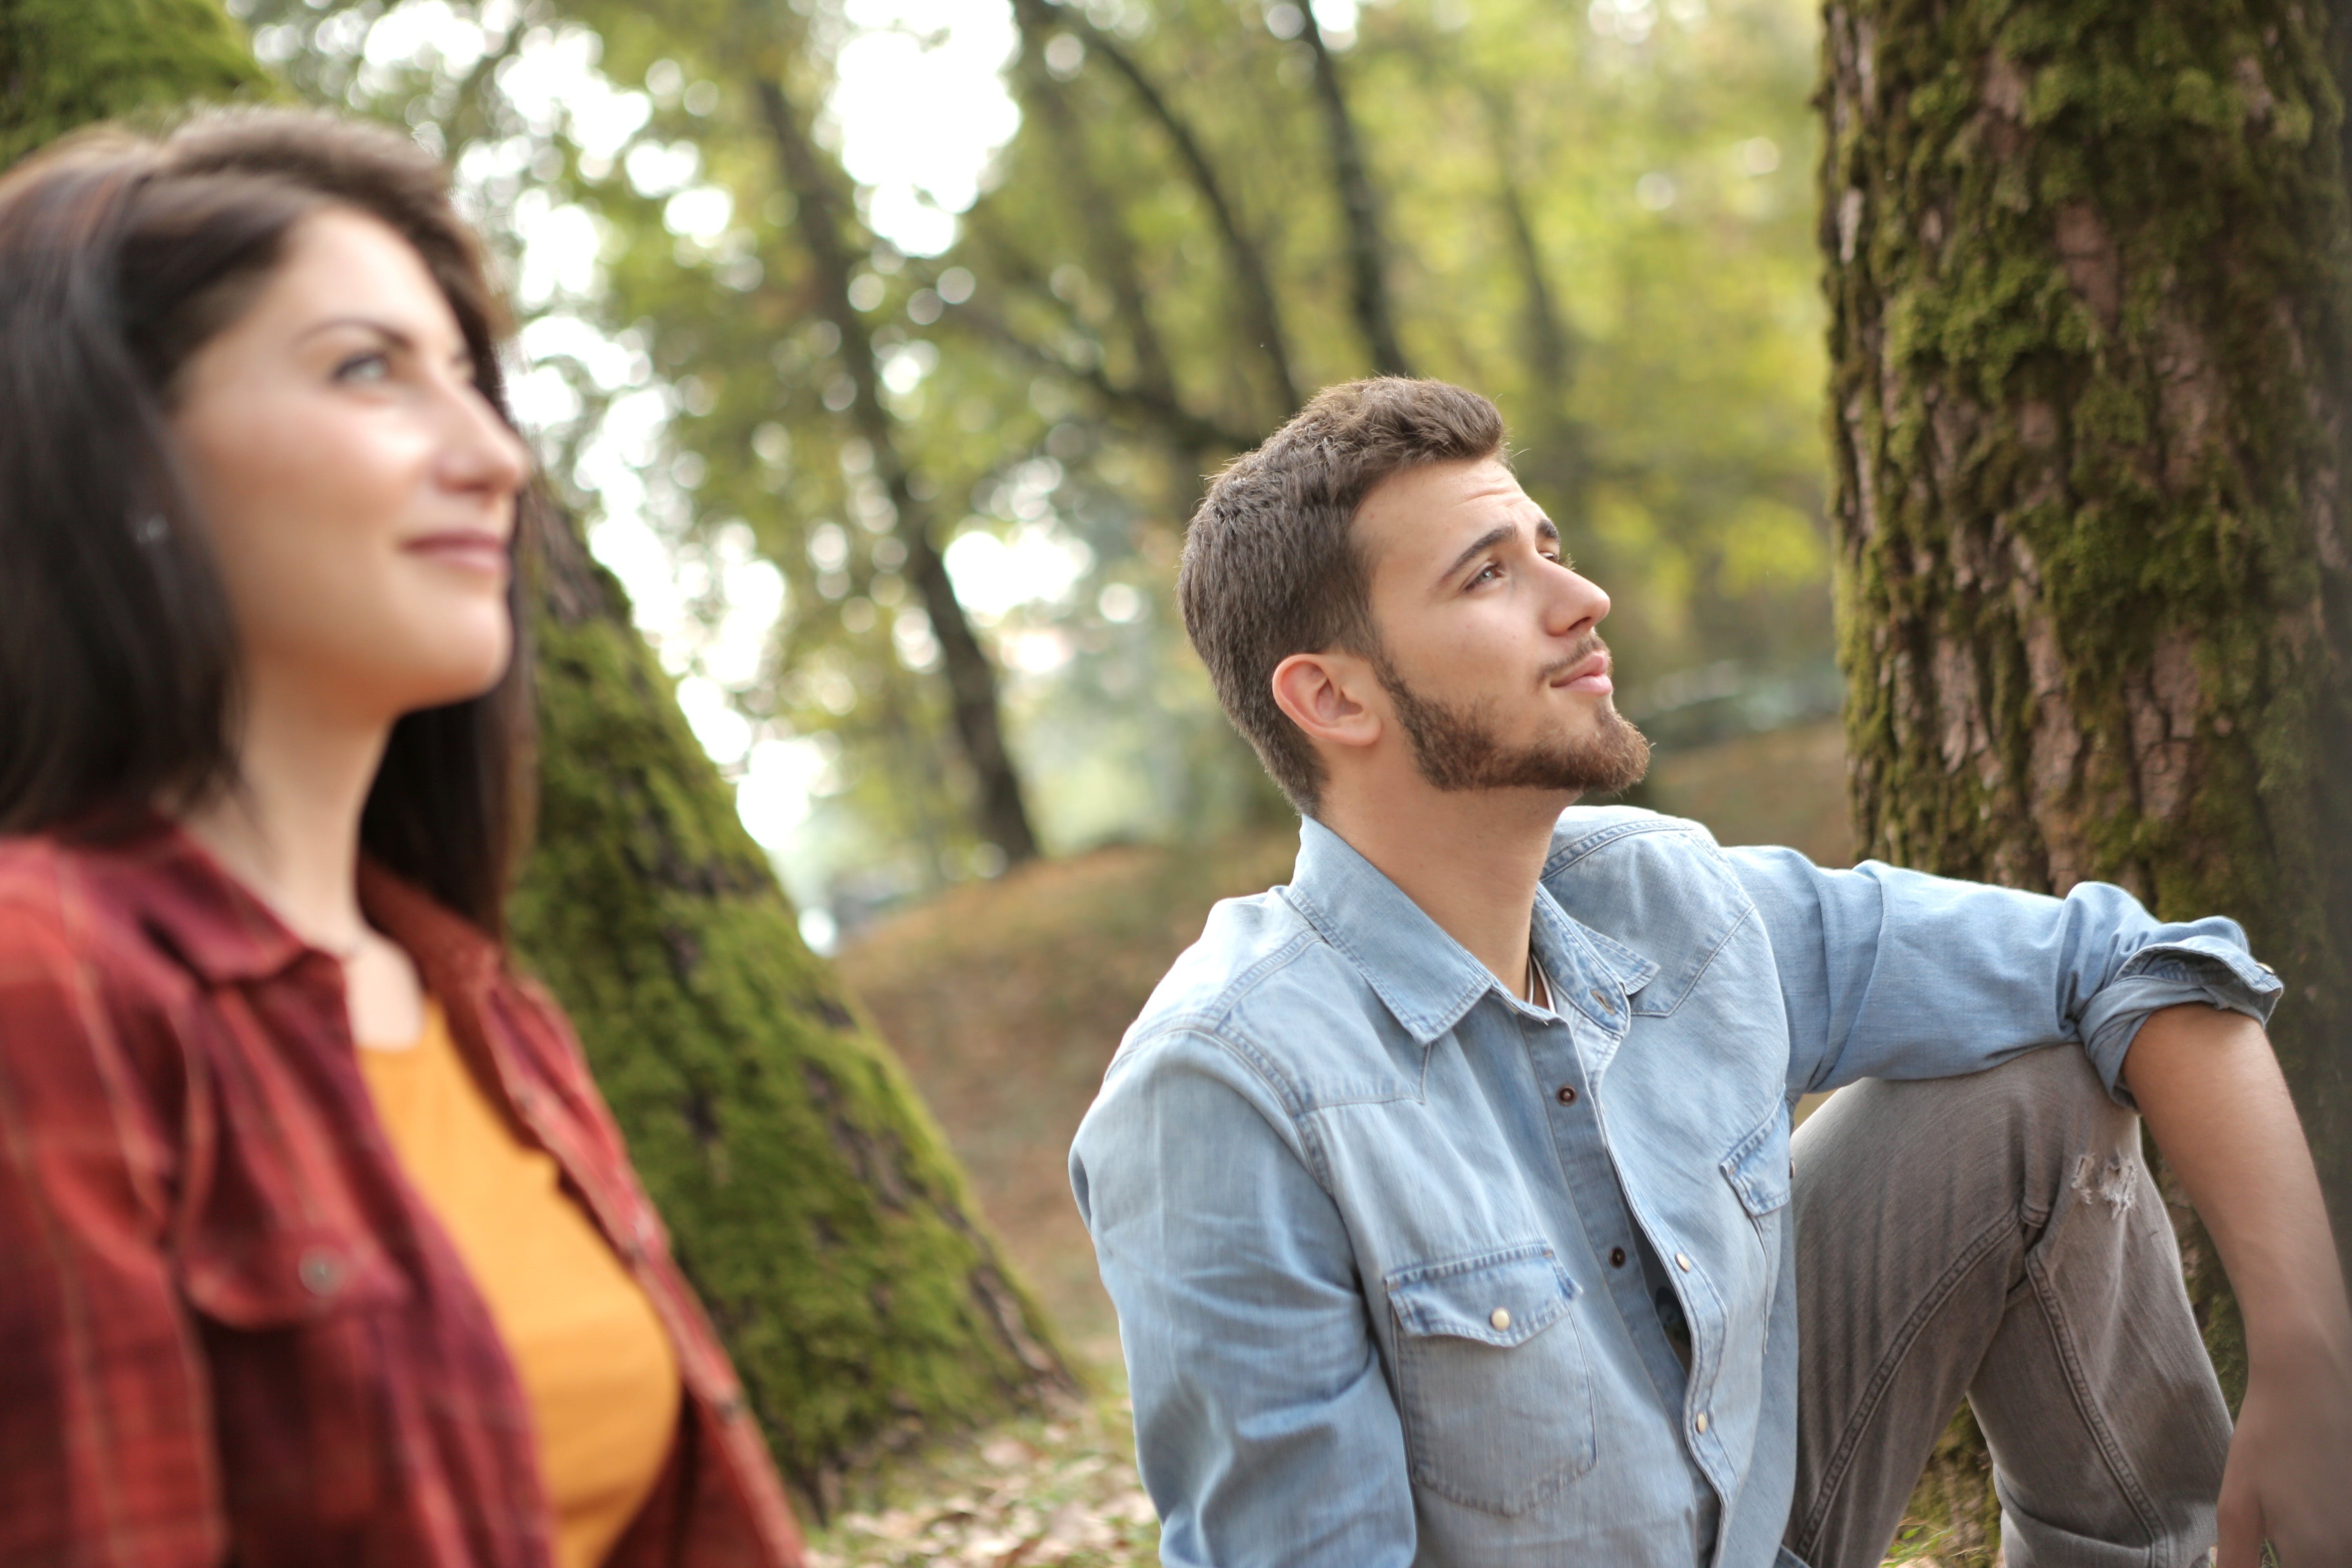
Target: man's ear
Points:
(1324, 693)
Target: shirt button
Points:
(1700, 1422)
(1606, 1005)
(1567, 1095)
(320, 1271)
(1616, 1257)
(1500, 1317)
(1682, 1261)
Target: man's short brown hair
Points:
(1271, 568)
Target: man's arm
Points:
(2211, 1090)
(1888, 973)
(1263, 1426)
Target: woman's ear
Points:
(1323, 695)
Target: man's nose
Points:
(1578, 604)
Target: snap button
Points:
(1500, 1317)
(320, 1271)
(1616, 1257)
(1567, 1095)
(1682, 1261)
(1701, 1422)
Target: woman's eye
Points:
(371, 366)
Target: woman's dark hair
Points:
(119, 257)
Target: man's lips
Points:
(474, 549)
(1589, 674)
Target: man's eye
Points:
(372, 366)
(1493, 569)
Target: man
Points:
(1446, 1193)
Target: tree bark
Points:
(64, 63)
(1002, 815)
(813, 1201)
(810, 1200)
(2086, 267)
(1367, 250)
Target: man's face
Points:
(1488, 647)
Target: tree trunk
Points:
(812, 1202)
(2086, 263)
(811, 1199)
(1368, 249)
(1258, 314)
(64, 63)
(1001, 814)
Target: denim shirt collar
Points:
(1420, 972)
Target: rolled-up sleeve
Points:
(1265, 1430)
(1887, 973)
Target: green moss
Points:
(812, 1200)
(64, 63)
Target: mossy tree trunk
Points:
(2087, 268)
(64, 63)
(809, 1196)
(811, 1199)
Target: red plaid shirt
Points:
(229, 1330)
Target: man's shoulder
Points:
(1263, 985)
(1658, 885)
(1585, 831)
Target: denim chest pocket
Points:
(1758, 1170)
(1491, 1381)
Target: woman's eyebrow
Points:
(399, 337)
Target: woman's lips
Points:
(465, 549)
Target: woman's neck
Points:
(290, 828)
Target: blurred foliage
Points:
(1600, 215)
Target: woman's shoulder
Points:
(39, 879)
(81, 914)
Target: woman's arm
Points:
(105, 1449)
(2212, 1096)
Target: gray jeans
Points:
(1998, 1237)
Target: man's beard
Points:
(1456, 748)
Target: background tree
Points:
(2087, 270)
(810, 1197)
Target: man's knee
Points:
(2038, 1126)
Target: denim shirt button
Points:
(1567, 1095)
(1682, 1261)
(1700, 1424)
(1501, 1318)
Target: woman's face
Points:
(359, 491)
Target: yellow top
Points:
(594, 1362)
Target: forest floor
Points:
(1005, 1000)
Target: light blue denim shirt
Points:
(1356, 1205)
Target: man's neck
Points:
(1469, 859)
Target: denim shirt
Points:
(1356, 1205)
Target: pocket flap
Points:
(1502, 1298)
(278, 1279)
(1758, 1165)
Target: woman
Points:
(317, 1243)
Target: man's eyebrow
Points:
(1544, 529)
(1479, 546)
